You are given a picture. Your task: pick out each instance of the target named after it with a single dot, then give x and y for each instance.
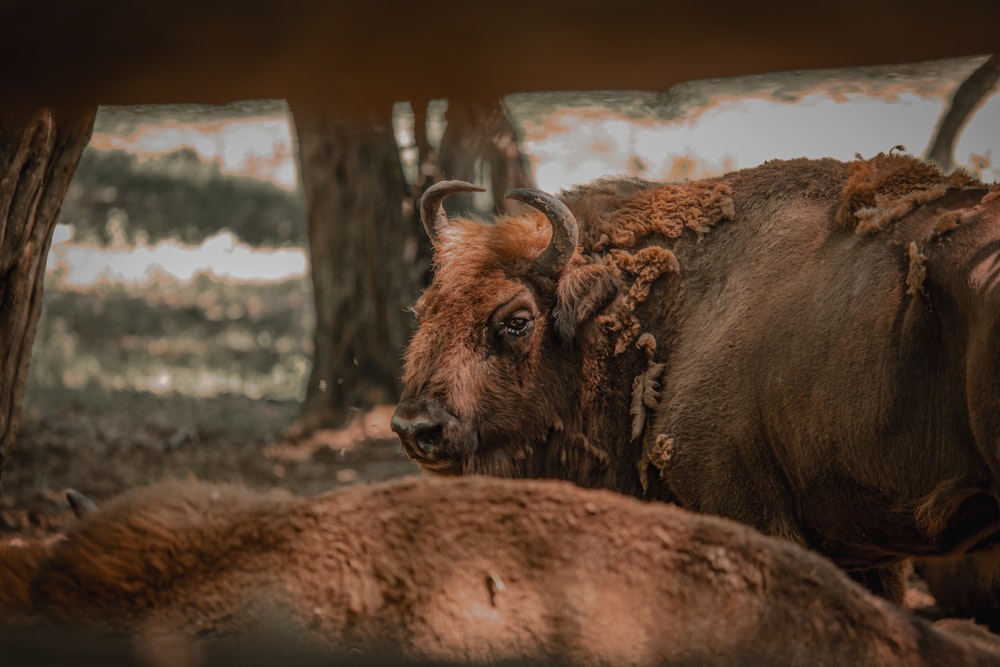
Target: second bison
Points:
(462, 571)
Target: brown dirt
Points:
(102, 443)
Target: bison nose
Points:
(420, 430)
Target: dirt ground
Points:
(101, 442)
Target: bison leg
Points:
(887, 581)
(967, 585)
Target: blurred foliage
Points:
(177, 196)
(205, 338)
(130, 382)
(122, 120)
(680, 100)
(128, 421)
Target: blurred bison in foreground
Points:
(810, 347)
(466, 570)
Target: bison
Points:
(810, 347)
(473, 569)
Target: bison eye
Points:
(511, 325)
(517, 326)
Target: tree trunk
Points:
(480, 145)
(37, 158)
(966, 99)
(363, 240)
(368, 252)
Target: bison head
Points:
(495, 377)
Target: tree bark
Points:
(363, 246)
(480, 145)
(369, 255)
(964, 102)
(38, 155)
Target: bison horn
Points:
(431, 210)
(565, 233)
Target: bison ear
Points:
(80, 504)
(582, 293)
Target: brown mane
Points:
(614, 219)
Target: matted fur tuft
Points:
(667, 210)
(644, 210)
(883, 189)
(644, 267)
(918, 270)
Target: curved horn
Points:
(432, 212)
(565, 232)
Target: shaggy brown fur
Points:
(946, 222)
(915, 276)
(666, 211)
(645, 267)
(834, 388)
(473, 569)
(645, 397)
(885, 188)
